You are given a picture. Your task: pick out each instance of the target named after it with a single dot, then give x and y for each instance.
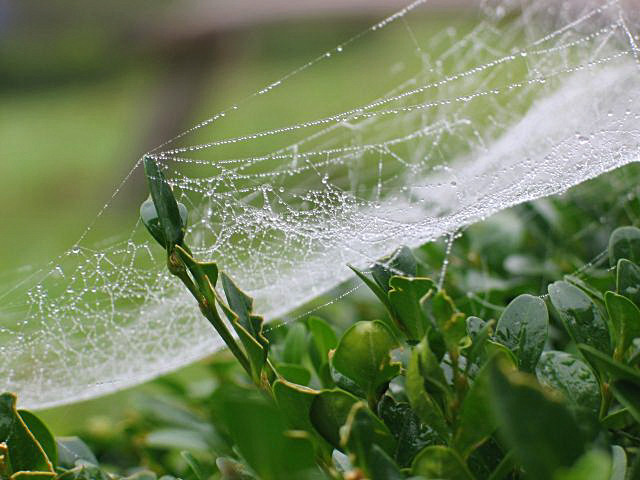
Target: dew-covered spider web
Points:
(429, 126)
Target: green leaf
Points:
(169, 217)
(625, 321)
(618, 463)
(476, 422)
(329, 412)
(580, 315)
(295, 343)
(479, 331)
(624, 242)
(149, 217)
(72, 449)
(248, 326)
(523, 328)
(440, 462)
(364, 355)
(406, 295)
(572, 377)
(400, 262)
(262, 437)
(294, 372)
(375, 288)
(427, 388)
(321, 341)
(618, 420)
(381, 466)
(42, 434)
(361, 431)
(82, 472)
(450, 322)
(25, 453)
(194, 465)
(294, 401)
(604, 363)
(628, 280)
(205, 274)
(411, 435)
(538, 427)
(593, 465)
(628, 394)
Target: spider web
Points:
(522, 101)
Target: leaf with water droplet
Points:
(572, 377)
(580, 315)
(624, 242)
(523, 329)
(628, 280)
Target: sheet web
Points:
(451, 125)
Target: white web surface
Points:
(525, 102)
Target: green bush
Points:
(446, 385)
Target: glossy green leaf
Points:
(401, 262)
(538, 426)
(427, 388)
(406, 295)
(628, 394)
(361, 431)
(295, 343)
(42, 434)
(604, 363)
(593, 465)
(580, 315)
(572, 377)
(628, 280)
(523, 328)
(71, 450)
(440, 462)
(329, 412)
(624, 316)
(364, 355)
(168, 212)
(411, 435)
(25, 453)
(624, 242)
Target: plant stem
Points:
(606, 400)
(177, 268)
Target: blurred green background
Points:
(87, 87)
